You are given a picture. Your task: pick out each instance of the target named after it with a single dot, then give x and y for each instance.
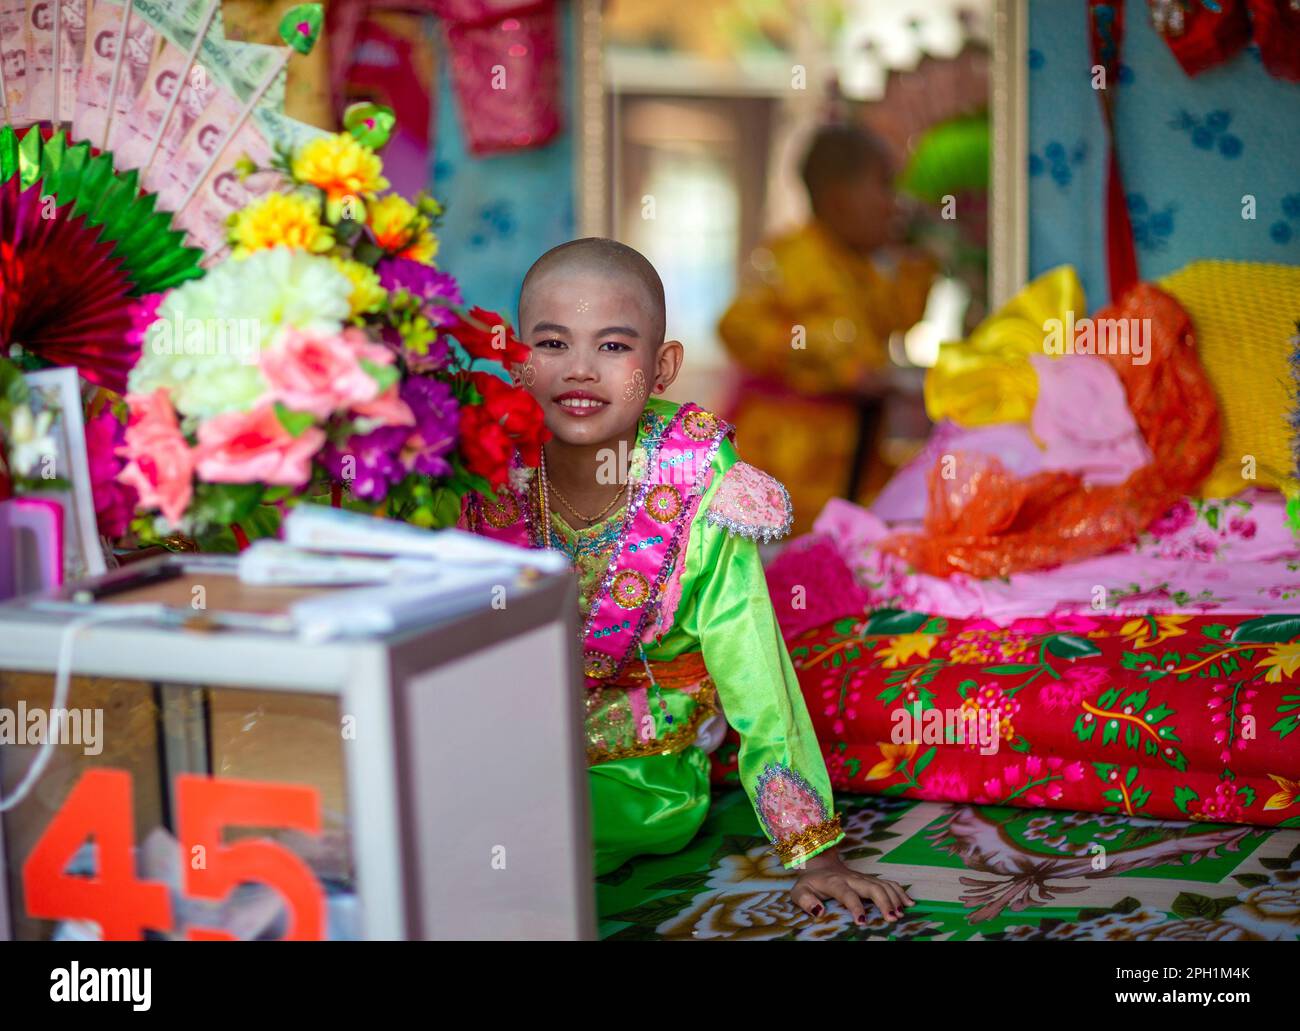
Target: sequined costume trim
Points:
(752, 504)
(677, 740)
(794, 816)
(801, 845)
(668, 513)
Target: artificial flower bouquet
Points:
(325, 356)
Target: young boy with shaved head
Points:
(662, 522)
(811, 324)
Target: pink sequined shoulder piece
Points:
(752, 504)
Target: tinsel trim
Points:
(676, 740)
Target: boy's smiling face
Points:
(598, 352)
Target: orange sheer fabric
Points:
(987, 522)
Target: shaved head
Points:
(607, 258)
(841, 153)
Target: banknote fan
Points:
(127, 131)
(80, 244)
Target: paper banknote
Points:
(222, 193)
(71, 52)
(38, 42)
(104, 27)
(13, 59)
(216, 91)
(132, 137)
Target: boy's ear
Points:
(668, 363)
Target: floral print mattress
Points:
(1175, 699)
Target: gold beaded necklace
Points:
(549, 488)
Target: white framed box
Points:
(446, 762)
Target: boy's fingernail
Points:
(861, 918)
(817, 911)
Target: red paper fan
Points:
(62, 295)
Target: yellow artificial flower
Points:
(341, 167)
(1283, 659)
(367, 295)
(893, 757)
(1285, 798)
(401, 229)
(904, 646)
(280, 220)
(1143, 635)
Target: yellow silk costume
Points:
(812, 322)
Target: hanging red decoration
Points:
(1201, 33)
(1277, 34)
(505, 70)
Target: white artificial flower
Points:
(209, 333)
(30, 440)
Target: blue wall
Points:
(503, 211)
(1189, 150)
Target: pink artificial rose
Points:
(160, 462)
(322, 374)
(388, 409)
(254, 447)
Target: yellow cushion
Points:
(1245, 313)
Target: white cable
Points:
(62, 682)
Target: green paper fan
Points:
(153, 254)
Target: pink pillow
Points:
(810, 572)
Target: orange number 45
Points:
(123, 905)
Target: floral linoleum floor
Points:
(977, 872)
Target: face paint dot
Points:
(584, 305)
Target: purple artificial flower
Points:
(372, 459)
(435, 358)
(437, 417)
(425, 283)
(114, 501)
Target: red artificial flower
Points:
(509, 419)
(485, 445)
(493, 339)
(518, 412)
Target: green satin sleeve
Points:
(726, 612)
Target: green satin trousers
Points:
(647, 804)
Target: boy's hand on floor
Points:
(826, 877)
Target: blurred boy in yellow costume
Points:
(811, 327)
